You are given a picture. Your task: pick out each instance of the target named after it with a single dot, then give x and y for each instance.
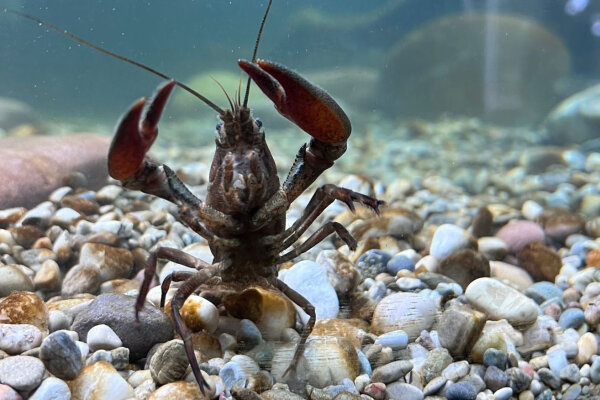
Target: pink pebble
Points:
(8, 393)
(519, 234)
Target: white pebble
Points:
(103, 337)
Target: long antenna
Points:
(262, 25)
(122, 58)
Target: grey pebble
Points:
(61, 355)
(117, 311)
(549, 378)
(572, 392)
(52, 389)
(570, 373)
(503, 394)
(404, 391)
(392, 371)
(169, 362)
(495, 357)
(495, 378)
(22, 373)
(461, 391)
(397, 339)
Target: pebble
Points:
(409, 312)
(52, 389)
(169, 362)
(22, 373)
(102, 379)
(24, 308)
(179, 390)
(461, 391)
(571, 318)
(111, 262)
(61, 356)
(102, 337)
(8, 393)
(12, 279)
(543, 291)
(495, 357)
(503, 394)
(495, 378)
(519, 234)
(391, 372)
(404, 391)
(310, 280)
(398, 263)
(117, 311)
(18, 338)
(395, 339)
(500, 301)
(269, 310)
(449, 238)
(372, 263)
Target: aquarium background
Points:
(385, 61)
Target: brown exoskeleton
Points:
(243, 216)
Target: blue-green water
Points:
(62, 80)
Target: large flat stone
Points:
(32, 167)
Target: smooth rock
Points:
(543, 291)
(61, 356)
(500, 301)
(111, 262)
(48, 277)
(310, 280)
(18, 338)
(24, 308)
(410, 312)
(392, 372)
(34, 167)
(372, 263)
(52, 389)
(81, 279)
(100, 381)
(464, 266)
(542, 263)
(404, 391)
(117, 311)
(327, 361)
(169, 362)
(12, 279)
(8, 393)
(102, 337)
(395, 339)
(518, 234)
(340, 271)
(461, 391)
(511, 275)
(458, 329)
(22, 373)
(269, 310)
(180, 390)
(352, 330)
(449, 238)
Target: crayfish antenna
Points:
(262, 25)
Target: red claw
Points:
(135, 135)
(300, 101)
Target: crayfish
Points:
(243, 217)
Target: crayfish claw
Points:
(135, 134)
(300, 101)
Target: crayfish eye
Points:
(219, 126)
(258, 122)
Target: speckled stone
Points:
(22, 373)
(24, 308)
